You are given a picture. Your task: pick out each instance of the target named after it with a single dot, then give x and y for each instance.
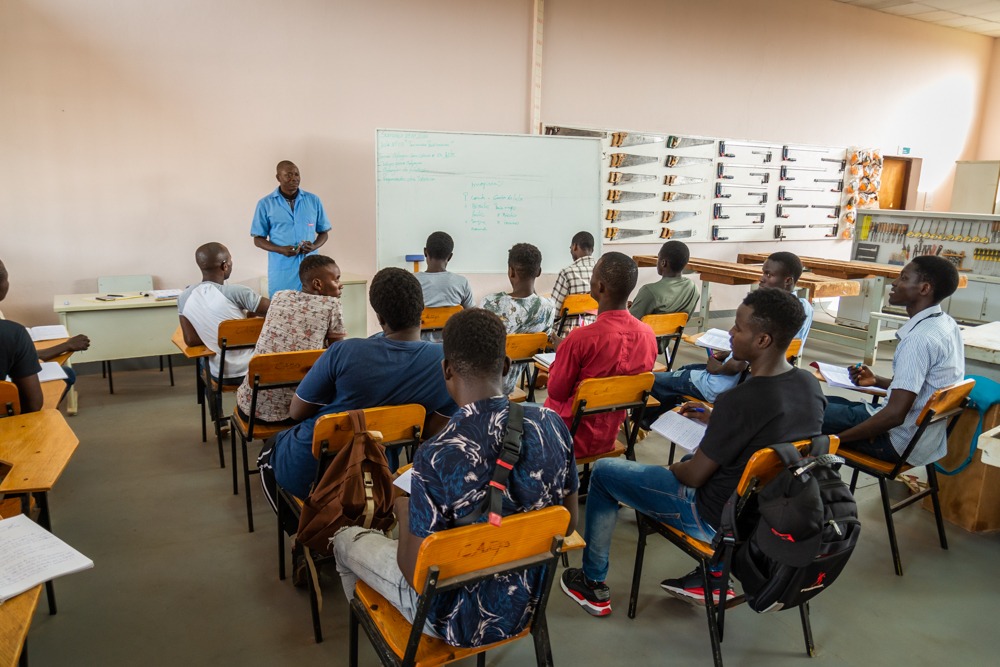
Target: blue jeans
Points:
(842, 414)
(652, 490)
(671, 385)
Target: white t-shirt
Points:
(208, 304)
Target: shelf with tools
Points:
(703, 189)
(970, 240)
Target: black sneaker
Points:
(691, 588)
(593, 596)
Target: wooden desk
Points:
(53, 390)
(982, 343)
(45, 344)
(39, 445)
(196, 352)
(15, 619)
(732, 273)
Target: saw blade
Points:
(619, 234)
(681, 180)
(623, 139)
(623, 196)
(684, 161)
(686, 142)
(668, 233)
(572, 132)
(673, 216)
(616, 177)
(629, 160)
(615, 214)
(677, 196)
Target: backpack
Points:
(354, 490)
(805, 531)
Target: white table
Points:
(982, 343)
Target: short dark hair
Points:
(525, 259)
(940, 273)
(313, 263)
(676, 253)
(396, 297)
(619, 272)
(776, 312)
(790, 263)
(584, 239)
(439, 245)
(475, 343)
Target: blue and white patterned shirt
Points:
(450, 476)
(929, 356)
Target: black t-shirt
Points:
(760, 412)
(18, 357)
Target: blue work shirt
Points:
(275, 221)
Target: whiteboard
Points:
(488, 191)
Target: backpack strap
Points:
(359, 424)
(510, 453)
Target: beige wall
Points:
(989, 143)
(132, 132)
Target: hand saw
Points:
(622, 139)
(673, 216)
(572, 132)
(677, 196)
(619, 196)
(619, 234)
(686, 142)
(616, 177)
(681, 180)
(614, 214)
(629, 160)
(684, 161)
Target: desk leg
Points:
(706, 288)
(200, 389)
(44, 520)
(874, 323)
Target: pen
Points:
(693, 410)
(117, 295)
(857, 366)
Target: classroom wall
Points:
(989, 141)
(133, 132)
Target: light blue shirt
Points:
(275, 221)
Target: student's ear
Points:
(926, 288)
(450, 256)
(789, 283)
(448, 371)
(511, 273)
(506, 366)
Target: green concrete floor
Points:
(179, 581)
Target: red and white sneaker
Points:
(594, 597)
(691, 588)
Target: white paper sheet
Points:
(545, 358)
(404, 480)
(837, 376)
(48, 332)
(31, 555)
(683, 432)
(51, 371)
(715, 339)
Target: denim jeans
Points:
(841, 414)
(676, 384)
(371, 556)
(650, 489)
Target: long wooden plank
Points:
(841, 268)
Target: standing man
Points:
(289, 223)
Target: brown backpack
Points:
(354, 490)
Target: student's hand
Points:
(696, 410)
(556, 340)
(306, 247)
(78, 342)
(861, 375)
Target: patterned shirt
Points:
(295, 321)
(450, 476)
(530, 314)
(929, 356)
(574, 279)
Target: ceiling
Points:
(978, 16)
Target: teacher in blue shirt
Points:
(289, 223)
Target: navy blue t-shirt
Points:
(450, 476)
(354, 374)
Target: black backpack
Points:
(802, 534)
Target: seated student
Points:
(306, 320)
(616, 344)
(202, 307)
(451, 475)
(18, 358)
(672, 293)
(706, 381)
(441, 287)
(574, 279)
(521, 310)
(929, 356)
(391, 369)
(73, 344)
(779, 403)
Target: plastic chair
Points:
(279, 370)
(575, 305)
(763, 466)
(400, 426)
(136, 283)
(668, 330)
(448, 559)
(944, 405)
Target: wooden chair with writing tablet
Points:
(668, 329)
(434, 319)
(575, 305)
(279, 370)
(521, 348)
(10, 399)
(448, 559)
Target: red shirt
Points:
(616, 344)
